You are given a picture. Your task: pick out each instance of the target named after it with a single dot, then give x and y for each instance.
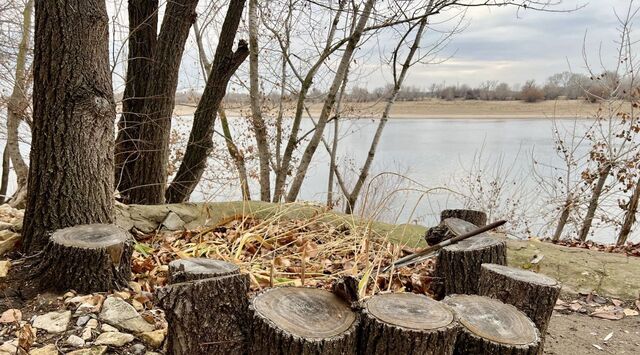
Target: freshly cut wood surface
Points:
(521, 275)
(199, 268)
(305, 312)
(407, 323)
(493, 320)
(409, 310)
(90, 236)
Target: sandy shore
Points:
(446, 109)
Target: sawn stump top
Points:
(409, 310)
(91, 236)
(522, 275)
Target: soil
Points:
(580, 334)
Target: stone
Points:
(92, 323)
(138, 349)
(119, 313)
(11, 316)
(75, 341)
(9, 347)
(82, 321)
(8, 241)
(49, 349)
(87, 334)
(153, 339)
(53, 322)
(5, 265)
(172, 222)
(108, 329)
(114, 339)
(96, 350)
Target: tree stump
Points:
(458, 266)
(297, 320)
(533, 294)
(492, 327)
(407, 323)
(205, 305)
(86, 258)
(442, 231)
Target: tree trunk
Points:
(458, 266)
(149, 170)
(341, 71)
(533, 294)
(630, 215)
(71, 175)
(85, 258)
(364, 172)
(257, 121)
(297, 320)
(593, 204)
(444, 231)
(492, 327)
(407, 323)
(143, 29)
(564, 217)
(225, 63)
(4, 181)
(206, 307)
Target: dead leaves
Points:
(598, 307)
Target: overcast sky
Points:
(500, 44)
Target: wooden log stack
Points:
(86, 258)
(296, 320)
(532, 293)
(206, 307)
(458, 266)
(492, 327)
(406, 323)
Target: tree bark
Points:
(458, 266)
(492, 327)
(4, 181)
(630, 215)
(407, 323)
(564, 217)
(341, 71)
(296, 320)
(533, 294)
(225, 63)
(143, 29)
(236, 155)
(206, 306)
(85, 258)
(257, 121)
(593, 204)
(149, 170)
(71, 175)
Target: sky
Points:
(501, 44)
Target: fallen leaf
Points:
(611, 315)
(536, 259)
(630, 312)
(4, 267)
(616, 302)
(597, 347)
(608, 336)
(26, 336)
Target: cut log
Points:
(407, 323)
(86, 258)
(297, 320)
(533, 294)
(442, 231)
(206, 307)
(458, 266)
(492, 327)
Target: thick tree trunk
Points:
(86, 258)
(533, 294)
(296, 320)
(492, 327)
(341, 71)
(257, 121)
(71, 175)
(143, 32)
(458, 266)
(225, 63)
(593, 204)
(4, 181)
(206, 306)
(149, 170)
(407, 323)
(630, 215)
